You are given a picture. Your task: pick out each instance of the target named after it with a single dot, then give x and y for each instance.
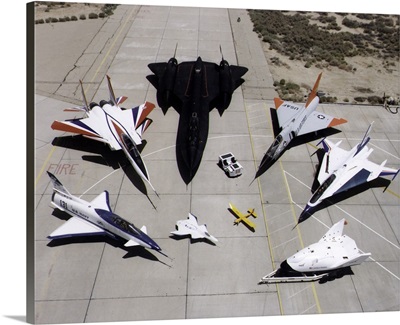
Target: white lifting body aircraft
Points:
(330, 258)
(95, 218)
(341, 171)
(121, 129)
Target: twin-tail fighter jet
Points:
(342, 172)
(194, 88)
(295, 124)
(240, 217)
(95, 218)
(191, 227)
(328, 259)
(120, 128)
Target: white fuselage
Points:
(77, 207)
(341, 168)
(110, 119)
(327, 256)
(292, 128)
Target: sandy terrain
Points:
(67, 10)
(368, 73)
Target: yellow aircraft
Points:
(241, 217)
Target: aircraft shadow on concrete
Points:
(135, 251)
(301, 139)
(377, 182)
(103, 156)
(192, 241)
(336, 275)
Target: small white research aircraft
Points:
(95, 218)
(330, 258)
(191, 227)
(295, 124)
(108, 123)
(341, 171)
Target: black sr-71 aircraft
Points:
(193, 89)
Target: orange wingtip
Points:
(69, 128)
(149, 105)
(337, 121)
(278, 102)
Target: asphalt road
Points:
(93, 280)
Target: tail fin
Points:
(365, 139)
(313, 93)
(57, 184)
(85, 107)
(85, 103)
(114, 101)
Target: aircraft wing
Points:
(94, 126)
(319, 121)
(236, 211)
(286, 111)
(209, 87)
(75, 227)
(102, 201)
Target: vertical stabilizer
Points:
(335, 231)
(85, 102)
(313, 93)
(57, 184)
(114, 101)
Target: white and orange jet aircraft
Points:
(120, 128)
(295, 124)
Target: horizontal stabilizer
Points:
(131, 243)
(143, 127)
(57, 184)
(144, 229)
(141, 112)
(76, 227)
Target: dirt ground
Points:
(43, 11)
(368, 73)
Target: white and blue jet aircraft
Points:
(95, 218)
(120, 128)
(341, 171)
(295, 124)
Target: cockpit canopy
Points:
(119, 222)
(318, 193)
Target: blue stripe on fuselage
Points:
(358, 179)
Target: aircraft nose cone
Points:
(305, 214)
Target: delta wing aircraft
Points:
(330, 258)
(95, 218)
(191, 227)
(120, 128)
(243, 217)
(194, 88)
(342, 172)
(295, 124)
